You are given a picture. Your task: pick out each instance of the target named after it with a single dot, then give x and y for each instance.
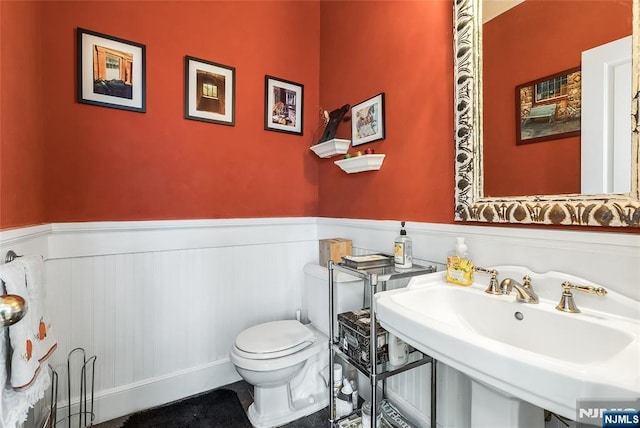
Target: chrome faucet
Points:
(524, 291)
(567, 303)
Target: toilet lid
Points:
(275, 339)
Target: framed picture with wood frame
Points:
(209, 91)
(549, 108)
(283, 105)
(111, 71)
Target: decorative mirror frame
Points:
(571, 209)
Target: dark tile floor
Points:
(245, 394)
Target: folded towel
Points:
(46, 344)
(24, 361)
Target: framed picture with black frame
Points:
(209, 91)
(111, 71)
(367, 121)
(283, 105)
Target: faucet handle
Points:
(493, 288)
(526, 281)
(600, 291)
(567, 303)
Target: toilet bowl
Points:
(287, 362)
(284, 361)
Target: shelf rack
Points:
(374, 278)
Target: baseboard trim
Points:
(114, 403)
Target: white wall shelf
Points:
(361, 163)
(331, 148)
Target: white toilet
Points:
(286, 361)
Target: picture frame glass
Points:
(209, 91)
(111, 71)
(283, 105)
(367, 121)
(549, 108)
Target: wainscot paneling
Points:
(161, 302)
(609, 259)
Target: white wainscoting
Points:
(609, 259)
(160, 302)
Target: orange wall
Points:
(550, 39)
(21, 136)
(108, 164)
(404, 49)
(85, 163)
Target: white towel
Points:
(24, 360)
(46, 344)
(15, 405)
(28, 379)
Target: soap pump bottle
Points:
(402, 250)
(459, 264)
(344, 406)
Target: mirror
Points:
(593, 209)
(557, 53)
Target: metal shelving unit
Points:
(375, 279)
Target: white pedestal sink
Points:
(531, 352)
(491, 408)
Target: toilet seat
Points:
(248, 360)
(273, 339)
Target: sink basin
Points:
(531, 351)
(494, 317)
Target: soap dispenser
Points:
(402, 250)
(459, 264)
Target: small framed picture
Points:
(367, 120)
(209, 91)
(111, 71)
(283, 105)
(549, 108)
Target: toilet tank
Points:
(348, 295)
